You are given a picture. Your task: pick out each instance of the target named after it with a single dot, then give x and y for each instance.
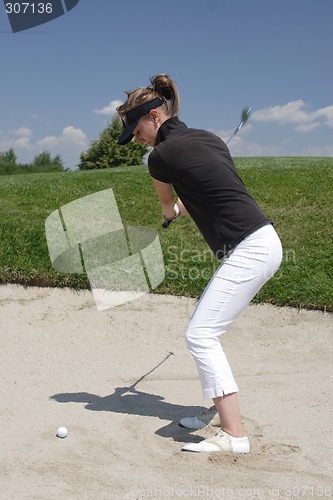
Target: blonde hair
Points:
(160, 86)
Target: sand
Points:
(121, 379)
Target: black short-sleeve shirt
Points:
(199, 166)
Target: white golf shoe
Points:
(207, 417)
(221, 441)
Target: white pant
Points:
(231, 289)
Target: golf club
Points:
(244, 117)
(166, 224)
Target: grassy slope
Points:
(295, 192)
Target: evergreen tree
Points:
(105, 152)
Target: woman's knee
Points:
(203, 337)
(192, 338)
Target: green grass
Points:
(296, 193)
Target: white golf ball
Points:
(62, 432)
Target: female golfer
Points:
(197, 165)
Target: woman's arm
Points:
(166, 196)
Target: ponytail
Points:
(165, 88)
(161, 86)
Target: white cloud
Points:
(292, 112)
(22, 132)
(16, 139)
(75, 135)
(48, 142)
(23, 143)
(69, 144)
(240, 147)
(296, 113)
(69, 136)
(110, 109)
(237, 139)
(327, 114)
(307, 127)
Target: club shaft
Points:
(245, 115)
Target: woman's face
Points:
(146, 130)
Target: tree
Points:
(41, 163)
(8, 161)
(44, 163)
(106, 153)
(8, 156)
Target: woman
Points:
(197, 165)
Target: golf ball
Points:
(62, 432)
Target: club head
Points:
(245, 115)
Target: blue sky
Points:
(61, 81)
